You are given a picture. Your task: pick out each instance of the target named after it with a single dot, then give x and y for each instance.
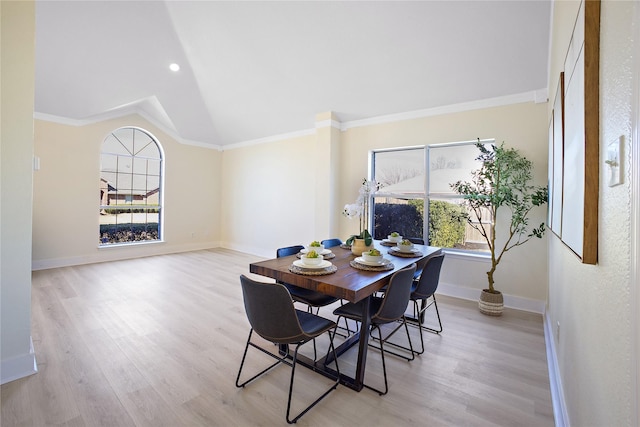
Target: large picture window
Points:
(130, 187)
(415, 197)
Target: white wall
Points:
(592, 303)
(66, 202)
(16, 154)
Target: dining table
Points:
(350, 280)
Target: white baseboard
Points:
(555, 380)
(266, 253)
(18, 367)
(117, 253)
(510, 301)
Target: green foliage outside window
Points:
(447, 221)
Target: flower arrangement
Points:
(360, 209)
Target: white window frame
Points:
(427, 195)
(161, 195)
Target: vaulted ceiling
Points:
(253, 70)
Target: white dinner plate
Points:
(361, 260)
(323, 264)
(389, 242)
(410, 251)
(324, 252)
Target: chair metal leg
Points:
(244, 356)
(293, 364)
(418, 319)
(419, 314)
(412, 352)
(346, 325)
(383, 351)
(384, 366)
(347, 328)
(323, 395)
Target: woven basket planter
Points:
(491, 304)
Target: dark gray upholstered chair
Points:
(331, 243)
(421, 263)
(423, 296)
(272, 316)
(387, 309)
(309, 297)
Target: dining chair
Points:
(387, 309)
(423, 291)
(272, 316)
(330, 243)
(311, 298)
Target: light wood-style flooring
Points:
(157, 342)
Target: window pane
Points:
(109, 177)
(125, 164)
(400, 215)
(450, 164)
(148, 150)
(114, 146)
(153, 183)
(125, 137)
(399, 203)
(449, 228)
(400, 171)
(153, 167)
(139, 166)
(139, 183)
(129, 225)
(124, 183)
(108, 162)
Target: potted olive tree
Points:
(503, 180)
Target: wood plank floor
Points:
(157, 342)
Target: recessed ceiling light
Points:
(174, 67)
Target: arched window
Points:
(130, 187)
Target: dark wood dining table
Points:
(347, 283)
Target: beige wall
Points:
(261, 197)
(269, 196)
(523, 126)
(17, 37)
(66, 205)
(592, 303)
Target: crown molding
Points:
(116, 114)
(328, 123)
(537, 96)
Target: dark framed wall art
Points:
(574, 140)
